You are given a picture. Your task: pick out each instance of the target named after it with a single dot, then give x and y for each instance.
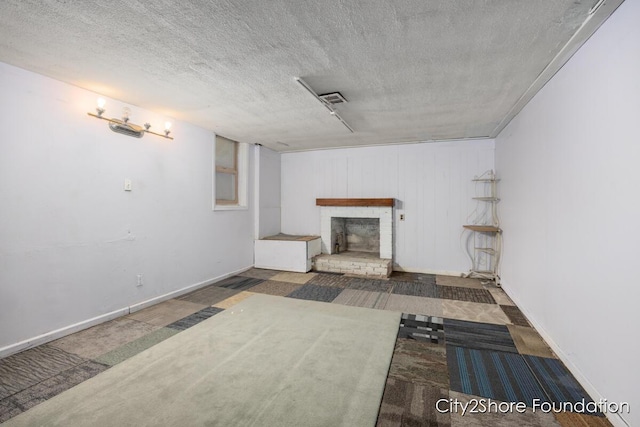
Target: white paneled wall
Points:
(431, 182)
(267, 192)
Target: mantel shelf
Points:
(355, 202)
(487, 199)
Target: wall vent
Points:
(333, 98)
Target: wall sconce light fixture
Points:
(124, 127)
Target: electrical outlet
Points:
(127, 185)
(401, 217)
(139, 280)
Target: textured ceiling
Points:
(412, 70)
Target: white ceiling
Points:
(412, 70)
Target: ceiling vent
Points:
(334, 98)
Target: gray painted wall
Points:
(72, 242)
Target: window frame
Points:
(231, 171)
(241, 168)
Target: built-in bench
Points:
(287, 252)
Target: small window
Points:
(230, 177)
(226, 171)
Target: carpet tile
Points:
(465, 294)
(474, 312)
(291, 277)
(421, 328)
(166, 312)
(500, 296)
(209, 295)
(496, 417)
(358, 298)
(415, 305)
(408, 404)
(334, 280)
(458, 281)
(55, 385)
(492, 374)
(556, 380)
(132, 348)
(418, 289)
(22, 370)
(274, 287)
(515, 315)
(572, 419)
(103, 338)
(372, 285)
(315, 293)
(195, 318)
(259, 273)
(420, 363)
(233, 300)
(238, 283)
(481, 336)
(528, 341)
(8, 409)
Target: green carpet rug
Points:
(267, 361)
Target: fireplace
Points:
(357, 225)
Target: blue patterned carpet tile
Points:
(493, 374)
(421, 328)
(558, 382)
(481, 336)
(195, 318)
(239, 283)
(316, 293)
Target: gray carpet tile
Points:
(406, 404)
(275, 287)
(8, 409)
(415, 305)
(420, 363)
(422, 328)
(259, 273)
(22, 370)
(372, 285)
(316, 293)
(104, 337)
(132, 348)
(238, 283)
(53, 386)
(333, 280)
(195, 318)
(515, 315)
(481, 336)
(465, 294)
(416, 289)
(209, 295)
(402, 276)
(358, 298)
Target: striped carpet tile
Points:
(421, 328)
(316, 293)
(481, 336)
(372, 285)
(238, 283)
(557, 381)
(195, 318)
(415, 289)
(492, 374)
(465, 294)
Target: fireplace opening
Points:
(355, 235)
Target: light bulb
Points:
(101, 103)
(167, 126)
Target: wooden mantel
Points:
(355, 202)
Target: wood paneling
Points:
(355, 202)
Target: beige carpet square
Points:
(231, 301)
(500, 296)
(528, 341)
(359, 298)
(301, 278)
(415, 305)
(166, 312)
(474, 312)
(273, 287)
(458, 281)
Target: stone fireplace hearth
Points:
(357, 236)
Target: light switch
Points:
(127, 185)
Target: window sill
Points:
(230, 208)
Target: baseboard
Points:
(85, 324)
(396, 267)
(616, 419)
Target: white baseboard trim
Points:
(616, 419)
(85, 324)
(427, 271)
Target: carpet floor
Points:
(456, 339)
